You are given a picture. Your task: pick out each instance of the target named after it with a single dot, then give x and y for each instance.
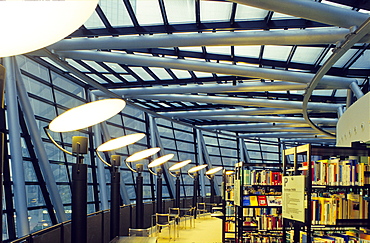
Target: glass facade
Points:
(50, 93)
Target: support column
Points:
(39, 148)
(159, 191)
(115, 202)
(139, 198)
(19, 188)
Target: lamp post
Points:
(193, 173)
(210, 174)
(177, 174)
(157, 162)
(116, 176)
(77, 118)
(139, 181)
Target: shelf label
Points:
(294, 197)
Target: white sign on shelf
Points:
(294, 197)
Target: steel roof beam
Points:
(243, 101)
(236, 111)
(248, 86)
(247, 126)
(279, 135)
(210, 67)
(321, 121)
(311, 10)
(328, 35)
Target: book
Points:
(274, 200)
(246, 201)
(253, 200)
(262, 200)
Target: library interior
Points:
(189, 121)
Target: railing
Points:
(98, 225)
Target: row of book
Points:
(261, 177)
(263, 239)
(326, 210)
(336, 172)
(269, 222)
(262, 200)
(254, 212)
(229, 226)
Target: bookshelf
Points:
(259, 211)
(228, 200)
(328, 197)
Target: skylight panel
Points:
(306, 55)
(244, 12)
(277, 15)
(322, 92)
(185, 7)
(161, 73)
(147, 12)
(247, 51)
(95, 66)
(113, 78)
(187, 103)
(181, 73)
(279, 53)
(97, 78)
(336, 4)
(130, 78)
(76, 65)
(202, 74)
(192, 48)
(176, 104)
(53, 63)
(341, 93)
(94, 22)
(116, 12)
(164, 104)
(363, 61)
(215, 11)
(345, 58)
(142, 73)
(114, 66)
(224, 50)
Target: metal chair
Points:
(201, 209)
(190, 214)
(175, 216)
(163, 220)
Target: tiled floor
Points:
(207, 230)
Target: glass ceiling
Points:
(208, 74)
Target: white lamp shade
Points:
(161, 160)
(197, 168)
(30, 25)
(120, 142)
(86, 115)
(142, 154)
(179, 165)
(213, 170)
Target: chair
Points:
(175, 215)
(201, 209)
(163, 220)
(189, 214)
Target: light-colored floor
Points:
(207, 230)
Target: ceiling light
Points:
(213, 170)
(197, 168)
(179, 165)
(161, 160)
(142, 154)
(30, 25)
(86, 115)
(120, 142)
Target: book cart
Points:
(325, 200)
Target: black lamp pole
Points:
(115, 196)
(79, 191)
(195, 191)
(159, 191)
(139, 197)
(177, 199)
(212, 183)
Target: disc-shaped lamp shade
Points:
(229, 172)
(179, 165)
(142, 154)
(161, 160)
(30, 25)
(197, 168)
(86, 115)
(120, 142)
(213, 170)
